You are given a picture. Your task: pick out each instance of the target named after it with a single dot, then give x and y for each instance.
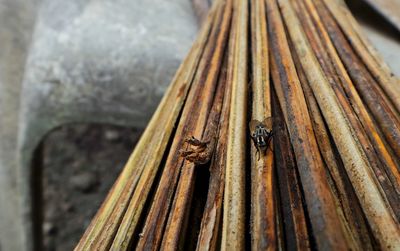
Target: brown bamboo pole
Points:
(233, 229)
(263, 201)
(373, 132)
(346, 199)
(325, 222)
(381, 179)
(347, 203)
(174, 233)
(193, 119)
(379, 157)
(379, 217)
(296, 233)
(320, 102)
(175, 227)
(365, 50)
(211, 221)
(279, 224)
(382, 111)
(166, 114)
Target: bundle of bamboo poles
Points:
(328, 180)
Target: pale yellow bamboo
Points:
(233, 230)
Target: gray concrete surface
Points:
(17, 20)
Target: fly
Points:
(261, 134)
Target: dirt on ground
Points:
(80, 164)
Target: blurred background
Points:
(79, 80)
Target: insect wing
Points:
(268, 123)
(253, 125)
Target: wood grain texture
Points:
(263, 198)
(325, 221)
(233, 229)
(354, 159)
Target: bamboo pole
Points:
(192, 122)
(357, 167)
(297, 236)
(166, 114)
(369, 90)
(263, 201)
(324, 218)
(208, 131)
(365, 50)
(332, 181)
(373, 132)
(211, 221)
(378, 168)
(233, 229)
(377, 153)
(346, 202)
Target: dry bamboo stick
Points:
(175, 227)
(379, 217)
(279, 221)
(338, 176)
(370, 92)
(380, 176)
(294, 218)
(263, 201)
(365, 50)
(166, 114)
(211, 222)
(378, 156)
(192, 122)
(355, 99)
(324, 218)
(391, 190)
(345, 199)
(340, 10)
(233, 229)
